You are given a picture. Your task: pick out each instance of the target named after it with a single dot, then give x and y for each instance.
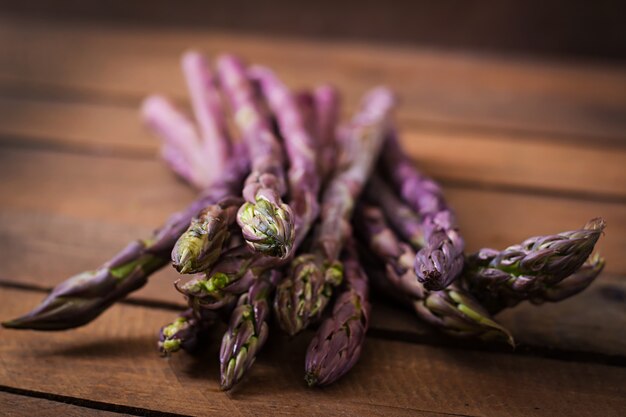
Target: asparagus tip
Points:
(183, 264)
(311, 379)
(267, 227)
(12, 324)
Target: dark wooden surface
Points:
(522, 147)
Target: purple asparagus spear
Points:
(326, 103)
(453, 310)
(205, 99)
(247, 330)
(402, 218)
(303, 295)
(535, 269)
(336, 346)
(266, 222)
(197, 153)
(301, 149)
(184, 331)
(83, 297)
(440, 261)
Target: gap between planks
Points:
(428, 338)
(30, 402)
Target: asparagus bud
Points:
(336, 346)
(184, 331)
(247, 330)
(200, 246)
(301, 300)
(528, 270)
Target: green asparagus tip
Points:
(170, 346)
(311, 379)
(184, 265)
(12, 324)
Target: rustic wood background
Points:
(522, 145)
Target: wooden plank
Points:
(98, 128)
(451, 154)
(113, 360)
(435, 87)
(509, 161)
(19, 405)
(142, 192)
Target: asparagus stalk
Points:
(247, 330)
(186, 148)
(326, 103)
(304, 294)
(404, 221)
(184, 331)
(181, 148)
(266, 222)
(440, 261)
(453, 310)
(336, 346)
(201, 244)
(83, 297)
(304, 180)
(206, 102)
(533, 268)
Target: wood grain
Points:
(435, 87)
(452, 154)
(114, 361)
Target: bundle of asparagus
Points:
(283, 237)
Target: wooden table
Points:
(522, 148)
